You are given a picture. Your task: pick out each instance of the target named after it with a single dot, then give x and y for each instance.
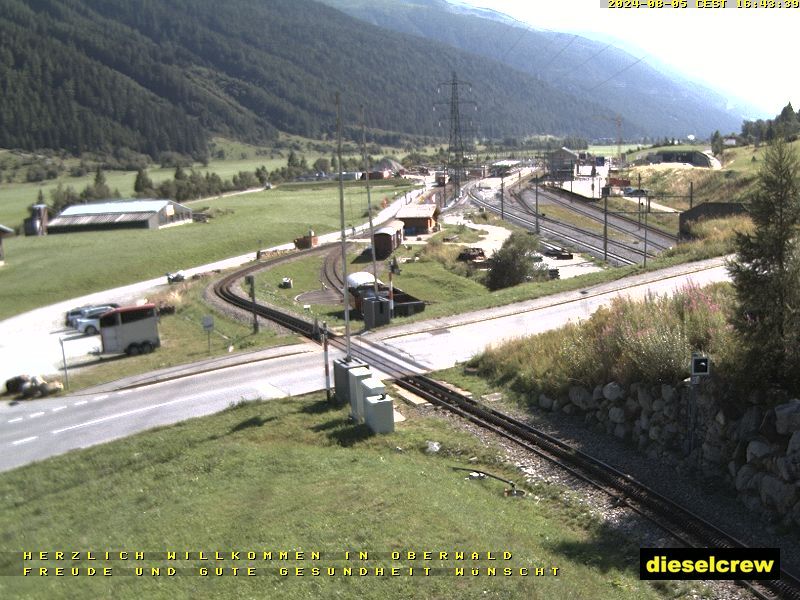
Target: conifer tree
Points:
(765, 274)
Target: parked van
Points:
(130, 329)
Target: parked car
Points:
(72, 314)
(558, 253)
(89, 323)
(78, 313)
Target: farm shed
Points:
(4, 232)
(120, 214)
(387, 238)
(418, 218)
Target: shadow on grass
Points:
(252, 422)
(319, 407)
(607, 549)
(348, 434)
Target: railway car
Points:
(361, 285)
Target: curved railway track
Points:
(686, 527)
(332, 269)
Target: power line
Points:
(557, 54)
(622, 70)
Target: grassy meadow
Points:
(627, 341)
(43, 270)
(296, 475)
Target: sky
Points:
(749, 53)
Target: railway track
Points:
(658, 239)
(686, 527)
(588, 241)
(332, 269)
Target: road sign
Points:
(208, 323)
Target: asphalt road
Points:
(35, 430)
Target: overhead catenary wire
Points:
(622, 70)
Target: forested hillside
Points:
(652, 102)
(156, 76)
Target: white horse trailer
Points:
(130, 329)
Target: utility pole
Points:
(325, 357)
(645, 239)
(536, 192)
(639, 198)
(605, 227)
(455, 148)
(369, 203)
(345, 291)
(251, 281)
(502, 198)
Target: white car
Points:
(89, 323)
(85, 311)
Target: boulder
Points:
(569, 409)
(622, 430)
(581, 398)
(616, 414)
(658, 405)
(644, 398)
(671, 410)
(759, 449)
(720, 418)
(643, 421)
(613, 391)
(748, 424)
(655, 432)
(597, 393)
(744, 475)
(632, 409)
(787, 417)
(712, 453)
(667, 393)
(545, 402)
(778, 495)
(787, 468)
(767, 428)
(794, 444)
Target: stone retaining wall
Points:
(756, 452)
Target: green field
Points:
(611, 149)
(295, 475)
(17, 196)
(43, 270)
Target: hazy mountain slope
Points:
(660, 103)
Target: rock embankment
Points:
(756, 451)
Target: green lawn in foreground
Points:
(294, 475)
(42, 270)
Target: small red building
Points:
(418, 218)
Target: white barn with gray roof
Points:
(120, 214)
